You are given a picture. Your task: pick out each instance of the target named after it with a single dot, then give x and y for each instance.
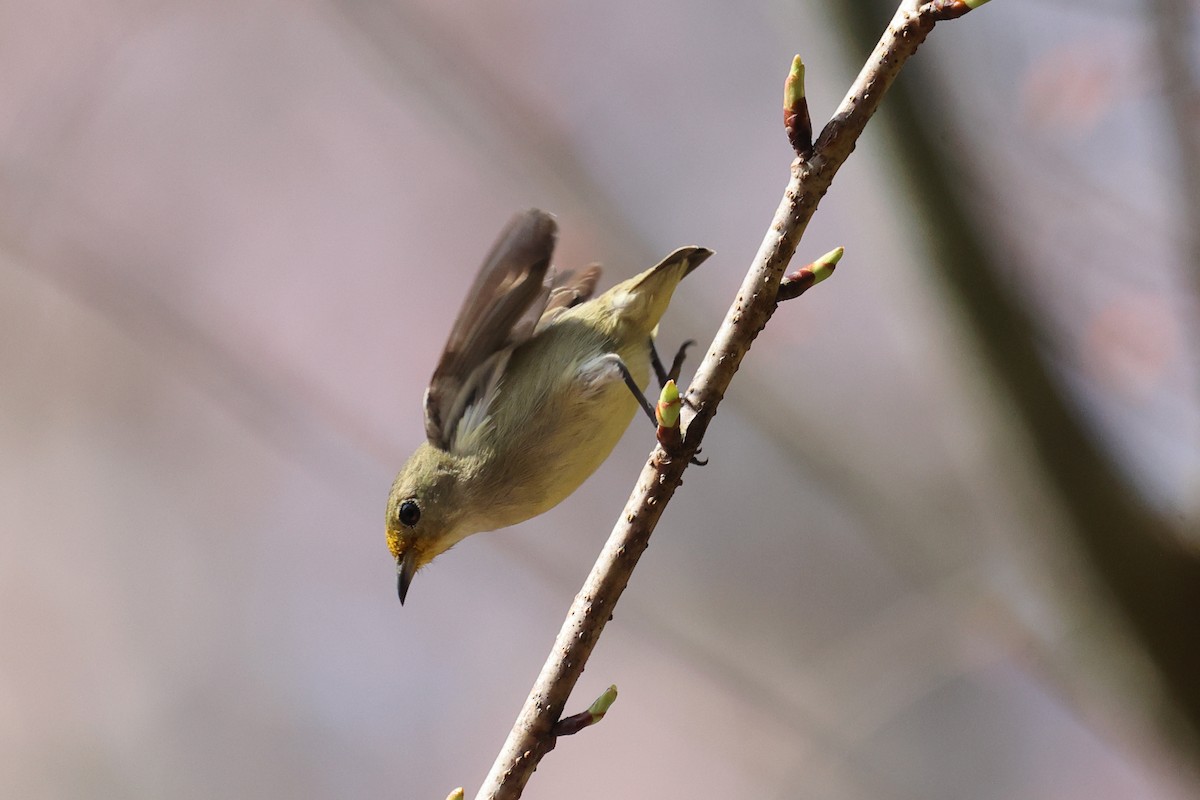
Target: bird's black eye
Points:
(409, 513)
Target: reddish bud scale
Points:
(796, 120)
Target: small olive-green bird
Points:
(532, 392)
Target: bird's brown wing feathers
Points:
(569, 289)
(515, 292)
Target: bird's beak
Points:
(406, 567)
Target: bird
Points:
(535, 386)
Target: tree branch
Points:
(533, 735)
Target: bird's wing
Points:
(567, 291)
(501, 310)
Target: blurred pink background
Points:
(232, 240)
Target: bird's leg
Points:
(663, 377)
(676, 363)
(634, 388)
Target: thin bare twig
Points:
(533, 734)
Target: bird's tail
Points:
(690, 257)
(642, 299)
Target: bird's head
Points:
(425, 512)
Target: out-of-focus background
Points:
(946, 543)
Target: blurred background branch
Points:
(1148, 565)
(1174, 23)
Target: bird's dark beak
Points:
(406, 567)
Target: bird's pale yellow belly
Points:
(561, 439)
